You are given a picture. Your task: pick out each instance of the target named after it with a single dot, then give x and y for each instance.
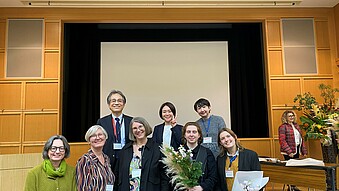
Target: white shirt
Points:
(166, 136)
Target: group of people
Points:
(122, 156)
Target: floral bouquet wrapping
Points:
(182, 170)
(249, 181)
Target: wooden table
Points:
(305, 176)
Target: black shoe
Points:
(295, 188)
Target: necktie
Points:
(118, 127)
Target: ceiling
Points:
(304, 3)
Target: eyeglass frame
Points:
(54, 149)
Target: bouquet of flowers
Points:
(319, 119)
(183, 171)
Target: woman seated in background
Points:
(139, 165)
(93, 169)
(169, 132)
(233, 158)
(54, 173)
(192, 138)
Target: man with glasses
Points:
(117, 126)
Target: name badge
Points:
(109, 187)
(207, 140)
(117, 146)
(136, 173)
(229, 173)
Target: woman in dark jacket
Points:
(140, 166)
(192, 137)
(233, 158)
(169, 132)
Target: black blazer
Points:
(248, 161)
(153, 176)
(106, 123)
(175, 138)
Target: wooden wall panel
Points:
(14, 149)
(10, 96)
(51, 66)
(273, 33)
(10, 129)
(77, 150)
(276, 146)
(283, 91)
(36, 148)
(312, 86)
(2, 64)
(261, 146)
(322, 34)
(39, 126)
(52, 33)
(324, 62)
(14, 169)
(276, 62)
(45, 92)
(2, 34)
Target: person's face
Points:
(98, 139)
(191, 134)
(117, 103)
(138, 130)
(226, 140)
(57, 151)
(290, 117)
(167, 114)
(204, 111)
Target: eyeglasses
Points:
(137, 128)
(290, 116)
(99, 135)
(117, 100)
(54, 149)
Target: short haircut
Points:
(200, 103)
(108, 99)
(170, 105)
(198, 128)
(148, 128)
(49, 144)
(91, 131)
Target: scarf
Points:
(51, 172)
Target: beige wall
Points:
(26, 123)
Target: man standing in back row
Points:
(117, 126)
(210, 125)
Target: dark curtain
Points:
(81, 82)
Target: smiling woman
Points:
(53, 173)
(93, 169)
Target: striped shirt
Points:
(91, 175)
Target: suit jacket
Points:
(106, 123)
(248, 161)
(175, 138)
(153, 176)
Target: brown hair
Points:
(237, 143)
(193, 124)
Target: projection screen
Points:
(151, 73)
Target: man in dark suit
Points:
(117, 126)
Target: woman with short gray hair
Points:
(54, 173)
(93, 169)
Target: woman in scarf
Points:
(54, 173)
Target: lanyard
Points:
(208, 125)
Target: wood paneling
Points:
(10, 96)
(33, 148)
(324, 62)
(312, 85)
(276, 62)
(14, 169)
(45, 92)
(2, 64)
(51, 65)
(273, 33)
(52, 33)
(77, 150)
(2, 34)
(284, 90)
(261, 146)
(322, 34)
(10, 128)
(13, 149)
(39, 126)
